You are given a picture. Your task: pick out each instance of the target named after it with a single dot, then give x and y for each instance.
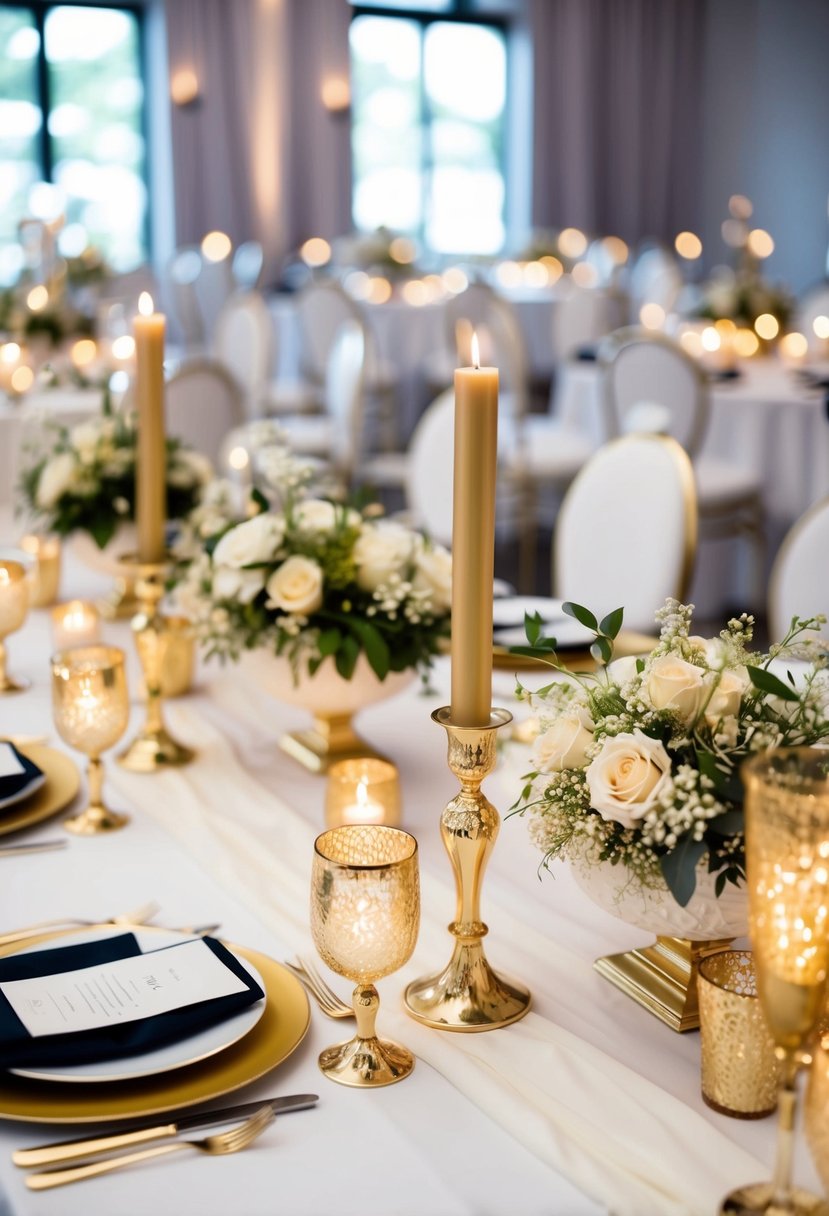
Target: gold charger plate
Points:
(275, 1036)
(62, 784)
(627, 643)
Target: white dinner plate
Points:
(567, 632)
(197, 1047)
(511, 609)
(31, 787)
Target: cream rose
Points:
(296, 586)
(190, 468)
(84, 439)
(381, 551)
(318, 515)
(255, 540)
(433, 573)
(230, 583)
(562, 745)
(727, 696)
(56, 477)
(622, 671)
(627, 777)
(674, 684)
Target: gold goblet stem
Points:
(468, 995)
(154, 747)
(781, 1182)
(97, 817)
(7, 682)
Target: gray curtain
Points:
(617, 115)
(258, 155)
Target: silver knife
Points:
(32, 846)
(75, 1150)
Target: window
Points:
(429, 110)
(71, 114)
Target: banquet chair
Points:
(203, 403)
(655, 278)
(214, 285)
(583, 316)
(182, 303)
(247, 264)
(243, 343)
(799, 582)
(627, 528)
(649, 383)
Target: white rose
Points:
(190, 468)
(622, 671)
(727, 696)
(433, 573)
(230, 583)
(563, 745)
(84, 439)
(296, 586)
(318, 515)
(255, 540)
(627, 777)
(56, 477)
(674, 684)
(382, 550)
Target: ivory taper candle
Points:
(473, 541)
(151, 458)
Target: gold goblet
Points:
(365, 914)
(14, 604)
(787, 864)
(91, 710)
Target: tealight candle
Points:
(364, 790)
(76, 623)
(44, 577)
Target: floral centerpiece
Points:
(637, 763)
(83, 478)
(311, 579)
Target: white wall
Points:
(765, 106)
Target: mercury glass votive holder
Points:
(75, 623)
(362, 790)
(740, 1070)
(44, 577)
(14, 605)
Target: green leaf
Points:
(583, 615)
(259, 498)
(532, 626)
(612, 623)
(729, 823)
(374, 644)
(347, 656)
(640, 666)
(532, 652)
(329, 641)
(602, 650)
(766, 682)
(679, 868)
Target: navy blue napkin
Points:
(15, 782)
(18, 1049)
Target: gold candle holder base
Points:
(154, 748)
(11, 684)
(758, 1198)
(662, 978)
(122, 602)
(468, 995)
(331, 738)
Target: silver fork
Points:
(227, 1142)
(139, 916)
(328, 1001)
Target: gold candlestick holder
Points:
(468, 995)
(154, 747)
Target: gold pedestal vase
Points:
(468, 995)
(154, 747)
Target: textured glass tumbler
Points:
(740, 1071)
(14, 605)
(365, 915)
(816, 1111)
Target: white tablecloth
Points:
(421, 1146)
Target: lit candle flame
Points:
(145, 304)
(476, 353)
(362, 793)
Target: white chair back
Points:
(323, 306)
(649, 383)
(815, 303)
(183, 270)
(344, 387)
(203, 403)
(582, 317)
(214, 286)
(799, 582)
(429, 471)
(627, 529)
(243, 342)
(247, 265)
(655, 279)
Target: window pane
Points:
(20, 121)
(386, 136)
(95, 126)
